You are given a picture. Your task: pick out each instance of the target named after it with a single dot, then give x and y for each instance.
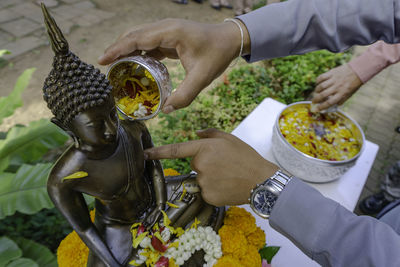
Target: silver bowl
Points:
(307, 167)
(157, 69)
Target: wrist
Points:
(238, 36)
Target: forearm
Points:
(376, 58)
(330, 234)
(73, 207)
(96, 244)
(298, 26)
(159, 184)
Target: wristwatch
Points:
(264, 196)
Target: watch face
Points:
(263, 201)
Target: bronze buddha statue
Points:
(126, 187)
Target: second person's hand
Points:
(335, 87)
(205, 51)
(227, 168)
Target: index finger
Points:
(175, 151)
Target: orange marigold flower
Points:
(72, 252)
(170, 172)
(251, 258)
(241, 219)
(257, 238)
(228, 261)
(233, 241)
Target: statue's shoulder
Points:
(69, 162)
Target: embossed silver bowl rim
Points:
(157, 70)
(303, 156)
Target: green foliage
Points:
(21, 252)
(10, 103)
(24, 191)
(9, 251)
(24, 168)
(28, 144)
(4, 52)
(224, 107)
(293, 78)
(268, 253)
(259, 3)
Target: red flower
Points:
(157, 244)
(162, 262)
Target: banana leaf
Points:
(22, 262)
(24, 191)
(28, 144)
(11, 102)
(36, 252)
(9, 251)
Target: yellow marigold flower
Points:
(233, 241)
(257, 238)
(72, 252)
(251, 258)
(241, 219)
(228, 261)
(170, 172)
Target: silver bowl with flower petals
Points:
(306, 167)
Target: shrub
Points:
(287, 80)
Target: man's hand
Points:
(205, 51)
(335, 87)
(227, 168)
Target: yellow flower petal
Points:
(195, 223)
(137, 240)
(166, 220)
(76, 175)
(172, 205)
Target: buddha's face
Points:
(97, 128)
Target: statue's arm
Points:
(154, 168)
(73, 207)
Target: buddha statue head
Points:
(79, 96)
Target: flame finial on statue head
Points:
(57, 39)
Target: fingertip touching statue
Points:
(127, 188)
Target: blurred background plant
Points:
(26, 156)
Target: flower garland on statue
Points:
(239, 242)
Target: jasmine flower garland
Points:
(204, 238)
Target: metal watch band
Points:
(280, 179)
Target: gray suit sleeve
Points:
(330, 234)
(301, 26)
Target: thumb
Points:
(187, 91)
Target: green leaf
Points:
(11, 102)
(25, 191)
(37, 252)
(9, 250)
(4, 162)
(28, 144)
(22, 262)
(4, 52)
(268, 253)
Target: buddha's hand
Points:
(335, 87)
(205, 51)
(153, 217)
(227, 168)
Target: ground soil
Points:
(89, 43)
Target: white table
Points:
(256, 130)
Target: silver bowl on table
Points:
(306, 167)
